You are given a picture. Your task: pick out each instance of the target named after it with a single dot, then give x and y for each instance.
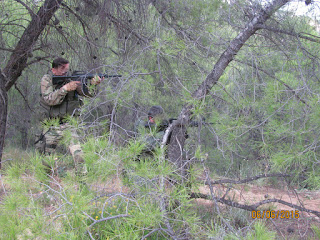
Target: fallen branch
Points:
(287, 204)
(246, 180)
(255, 206)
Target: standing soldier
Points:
(57, 102)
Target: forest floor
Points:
(286, 226)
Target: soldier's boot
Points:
(79, 162)
(40, 144)
(76, 153)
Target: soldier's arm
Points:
(49, 94)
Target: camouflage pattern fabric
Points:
(56, 102)
(152, 137)
(153, 133)
(49, 94)
(52, 138)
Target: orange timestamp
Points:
(281, 214)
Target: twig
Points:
(108, 218)
(38, 59)
(302, 35)
(215, 199)
(3, 161)
(275, 225)
(149, 234)
(24, 97)
(279, 80)
(90, 235)
(149, 73)
(32, 14)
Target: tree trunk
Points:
(3, 112)
(219, 68)
(18, 59)
(175, 150)
(25, 125)
(20, 55)
(24, 137)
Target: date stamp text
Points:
(278, 214)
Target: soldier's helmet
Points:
(155, 111)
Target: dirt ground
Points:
(286, 227)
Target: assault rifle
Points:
(81, 77)
(166, 123)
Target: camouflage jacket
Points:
(151, 133)
(50, 95)
(56, 102)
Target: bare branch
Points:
(251, 207)
(228, 55)
(117, 22)
(246, 180)
(150, 233)
(108, 218)
(287, 204)
(282, 82)
(301, 35)
(255, 206)
(83, 24)
(24, 98)
(6, 49)
(37, 59)
(32, 14)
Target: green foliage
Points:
(77, 209)
(316, 231)
(17, 17)
(47, 123)
(261, 232)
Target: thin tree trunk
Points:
(3, 112)
(25, 125)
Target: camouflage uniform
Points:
(153, 132)
(56, 102)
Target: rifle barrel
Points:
(84, 76)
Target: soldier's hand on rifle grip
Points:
(96, 80)
(71, 86)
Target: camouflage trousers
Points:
(50, 142)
